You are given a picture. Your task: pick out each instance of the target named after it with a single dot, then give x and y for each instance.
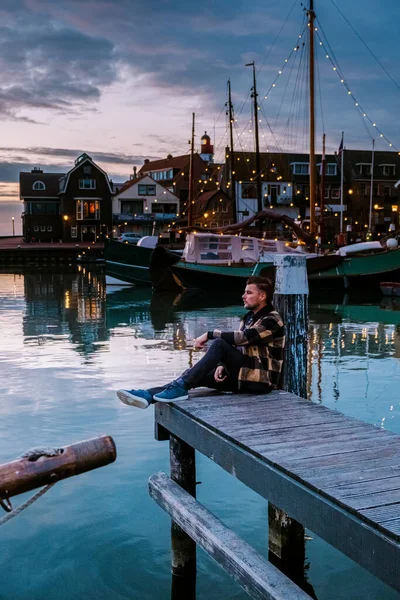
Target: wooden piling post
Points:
(286, 536)
(183, 472)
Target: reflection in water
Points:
(59, 304)
(67, 345)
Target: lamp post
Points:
(13, 225)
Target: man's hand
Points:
(200, 341)
(219, 374)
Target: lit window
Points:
(87, 209)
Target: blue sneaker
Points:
(139, 398)
(172, 392)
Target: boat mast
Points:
(258, 164)
(371, 191)
(191, 179)
(342, 183)
(322, 197)
(231, 121)
(313, 166)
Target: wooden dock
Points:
(14, 251)
(334, 474)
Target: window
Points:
(300, 168)
(160, 175)
(132, 207)
(335, 193)
(38, 185)
(74, 232)
(146, 190)
(331, 169)
(365, 169)
(87, 169)
(388, 170)
(364, 189)
(44, 208)
(327, 193)
(387, 190)
(87, 184)
(87, 209)
(249, 190)
(36, 228)
(169, 209)
(49, 228)
(43, 228)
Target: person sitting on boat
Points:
(247, 360)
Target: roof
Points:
(50, 180)
(353, 158)
(129, 183)
(81, 160)
(203, 200)
(176, 162)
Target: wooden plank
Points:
(259, 578)
(382, 514)
(360, 488)
(283, 454)
(374, 500)
(325, 477)
(384, 456)
(345, 529)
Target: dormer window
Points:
(331, 169)
(39, 186)
(300, 168)
(388, 170)
(364, 169)
(87, 184)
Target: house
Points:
(41, 218)
(213, 209)
(73, 206)
(385, 198)
(145, 206)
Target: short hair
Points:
(263, 284)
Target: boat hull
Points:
(360, 270)
(218, 277)
(128, 263)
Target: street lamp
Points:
(13, 225)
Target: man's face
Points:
(253, 297)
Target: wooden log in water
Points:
(37, 468)
(259, 578)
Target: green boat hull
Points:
(129, 263)
(362, 269)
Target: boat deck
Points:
(336, 475)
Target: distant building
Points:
(144, 206)
(73, 206)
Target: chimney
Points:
(134, 172)
(169, 156)
(146, 161)
(36, 170)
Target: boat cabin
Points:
(219, 249)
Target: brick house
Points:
(73, 206)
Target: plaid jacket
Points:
(261, 337)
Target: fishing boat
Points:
(390, 288)
(223, 262)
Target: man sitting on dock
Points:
(247, 360)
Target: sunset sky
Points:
(121, 79)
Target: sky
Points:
(120, 79)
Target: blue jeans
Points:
(202, 373)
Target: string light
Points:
(356, 103)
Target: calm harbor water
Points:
(66, 346)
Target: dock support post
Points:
(286, 536)
(183, 472)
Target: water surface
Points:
(67, 346)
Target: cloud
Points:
(49, 67)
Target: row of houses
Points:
(85, 205)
